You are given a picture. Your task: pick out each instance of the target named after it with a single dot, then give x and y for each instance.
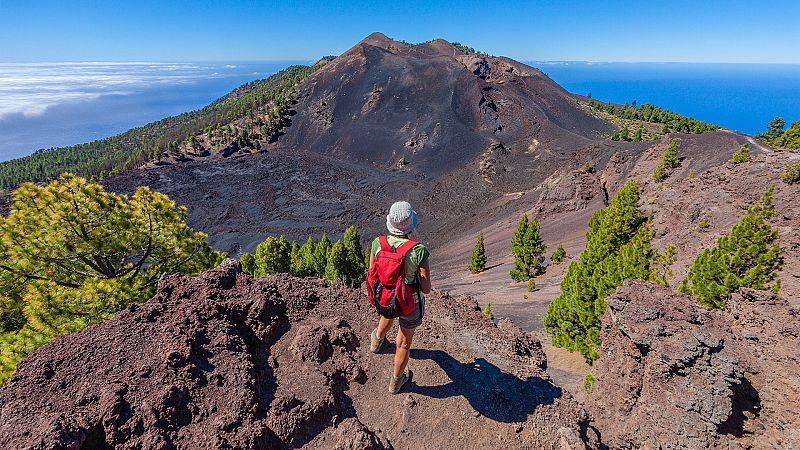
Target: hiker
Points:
(397, 278)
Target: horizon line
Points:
(539, 61)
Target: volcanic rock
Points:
(673, 374)
(224, 360)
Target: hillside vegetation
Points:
(72, 254)
(776, 136)
(261, 105)
(633, 120)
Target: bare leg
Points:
(404, 337)
(384, 325)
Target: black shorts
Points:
(414, 318)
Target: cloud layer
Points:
(29, 89)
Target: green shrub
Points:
(669, 161)
(703, 224)
(588, 382)
(272, 256)
(248, 262)
(558, 255)
(531, 285)
(749, 256)
(791, 174)
(588, 168)
(742, 155)
(776, 136)
(487, 312)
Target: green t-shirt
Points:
(415, 257)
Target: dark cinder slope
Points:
(471, 129)
(434, 105)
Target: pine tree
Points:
(520, 271)
(295, 261)
(355, 269)
(617, 249)
(669, 161)
(528, 249)
(367, 253)
(534, 249)
(307, 251)
(749, 256)
(248, 262)
(477, 263)
(558, 255)
(272, 256)
(791, 173)
(321, 251)
(72, 254)
(335, 270)
(487, 311)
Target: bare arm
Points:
(425, 278)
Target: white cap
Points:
(402, 218)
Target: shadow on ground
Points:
(490, 391)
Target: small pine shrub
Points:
(791, 174)
(748, 256)
(588, 168)
(742, 155)
(248, 262)
(588, 382)
(692, 174)
(478, 262)
(487, 312)
(402, 162)
(558, 255)
(703, 224)
(669, 161)
(531, 285)
(528, 249)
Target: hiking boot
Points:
(397, 383)
(374, 342)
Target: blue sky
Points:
(249, 30)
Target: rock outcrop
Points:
(223, 360)
(673, 374)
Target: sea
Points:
(44, 105)
(741, 97)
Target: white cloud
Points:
(31, 88)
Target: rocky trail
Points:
(227, 361)
(223, 360)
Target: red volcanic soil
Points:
(227, 361)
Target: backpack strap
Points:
(406, 247)
(384, 241)
(399, 251)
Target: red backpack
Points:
(386, 280)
